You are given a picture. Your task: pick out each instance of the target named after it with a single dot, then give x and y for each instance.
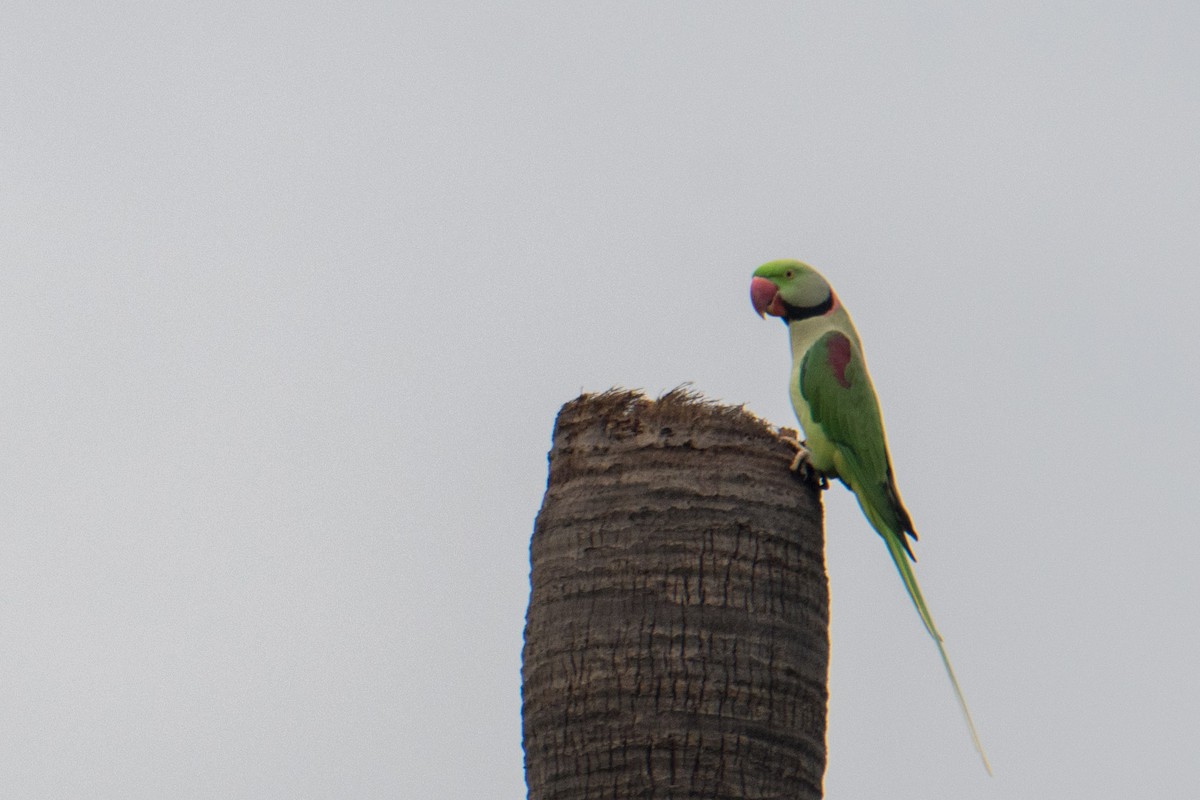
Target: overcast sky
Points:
(291, 293)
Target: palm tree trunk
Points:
(676, 643)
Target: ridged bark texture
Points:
(676, 643)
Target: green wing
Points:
(835, 384)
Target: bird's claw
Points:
(803, 468)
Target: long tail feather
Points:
(914, 591)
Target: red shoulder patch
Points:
(837, 350)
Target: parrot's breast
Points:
(825, 454)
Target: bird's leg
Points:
(803, 467)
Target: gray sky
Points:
(290, 295)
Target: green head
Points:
(791, 290)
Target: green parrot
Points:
(836, 405)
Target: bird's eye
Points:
(789, 274)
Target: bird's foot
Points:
(803, 468)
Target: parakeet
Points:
(836, 405)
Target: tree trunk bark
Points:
(676, 643)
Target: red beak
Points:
(765, 297)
